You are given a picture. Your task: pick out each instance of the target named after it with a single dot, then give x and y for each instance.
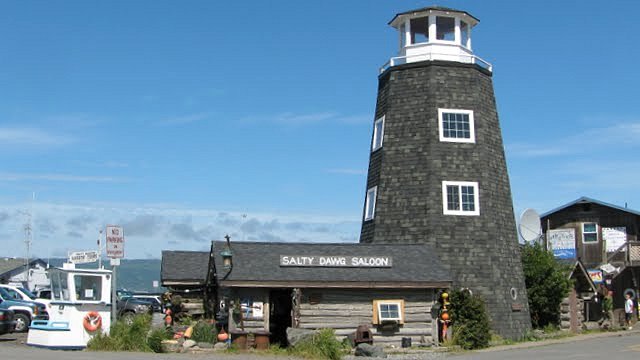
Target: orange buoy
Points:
(223, 336)
(92, 321)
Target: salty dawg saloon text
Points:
(336, 261)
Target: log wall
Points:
(251, 325)
(344, 310)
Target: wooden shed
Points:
(268, 287)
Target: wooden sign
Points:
(336, 261)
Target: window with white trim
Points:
(388, 310)
(589, 232)
(460, 198)
(370, 203)
(378, 134)
(456, 125)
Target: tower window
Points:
(464, 33)
(446, 28)
(456, 125)
(589, 232)
(419, 30)
(370, 204)
(378, 134)
(460, 198)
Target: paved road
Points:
(624, 346)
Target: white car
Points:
(20, 293)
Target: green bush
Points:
(471, 328)
(204, 332)
(547, 285)
(322, 345)
(154, 340)
(129, 337)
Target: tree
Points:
(471, 328)
(547, 285)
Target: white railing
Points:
(468, 59)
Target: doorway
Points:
(280, 307)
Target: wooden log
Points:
(190, 306)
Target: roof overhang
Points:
(401, 17)
(335, 284)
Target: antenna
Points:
(529, 225)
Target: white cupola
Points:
(435, 33)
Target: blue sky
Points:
(184, 121)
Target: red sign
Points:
(115, 242)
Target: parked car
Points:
(128, 306)
(7, 324)
(153, 299)
(20, 293)
(44, 293)
(24, 311)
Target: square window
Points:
(378, 134)
(460, 198)
(388, 310)
(370, 204)
(589, 233)
(446, 27)
(456, 125)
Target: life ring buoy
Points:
(92, 321)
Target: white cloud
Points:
(149, 229)
(588, 140)
(31, 137)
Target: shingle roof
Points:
(9, 264)
(585, 200)
(184, 266)
(433, 8)
(260, 262)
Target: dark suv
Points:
(24, 311)
(128, 306)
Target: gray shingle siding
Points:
(481, 252)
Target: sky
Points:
(185, 121)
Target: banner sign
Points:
(595, 275)
(615, 237)
(562, 242)
(336, 261)
(83, 257)
(115, 242)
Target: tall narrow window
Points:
(464, 33)
(460, 198)
(370, 204)
(456, 125)
(378, 134)
(589, 232)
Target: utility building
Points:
(437, 171)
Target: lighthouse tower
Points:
(437, 170)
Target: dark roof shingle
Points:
(185, 266)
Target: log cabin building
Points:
(265, 288)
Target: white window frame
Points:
(374, 192)
(377, 138)
(378, 310)
(476, 198)
(590, 232)
(472, 128)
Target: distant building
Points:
(603, 237)
(14, 271)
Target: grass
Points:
(136, 336)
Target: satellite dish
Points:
(529, 226)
